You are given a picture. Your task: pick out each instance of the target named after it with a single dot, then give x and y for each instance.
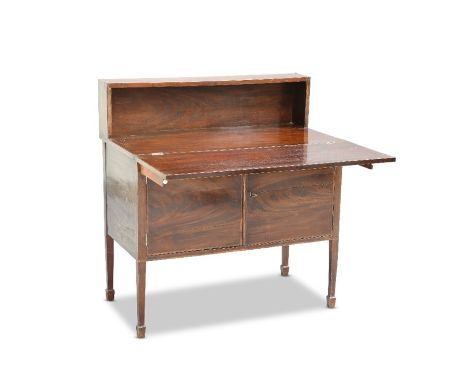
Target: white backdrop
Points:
(390, 75)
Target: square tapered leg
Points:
(141, 285)
(285, 261)
(110, 292)
(332, 267)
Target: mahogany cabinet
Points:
(195, 166)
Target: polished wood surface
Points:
(219, 138)
(312, 154)
(303, 199)
(241, 249)
(143, 111)
(213, 165)
(194, 214)
(205, 215)
(144, 106)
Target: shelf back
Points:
(148, 110)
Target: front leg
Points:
(109, 242)
(285, 260)
(333, 244)
(110, 292)
(141, 258)
(332, 267)
(141, 284)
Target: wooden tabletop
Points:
(190, 153)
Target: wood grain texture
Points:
(197, 166)
(142, 214)
(288, 205)
(219, 138)
(143, 111)
(194, 214)
(243, 248)
(335, 152)
(122, 198)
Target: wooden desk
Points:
(200, 166)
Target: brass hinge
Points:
(146, 239)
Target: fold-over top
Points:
(180, 154)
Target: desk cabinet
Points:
(209, 165)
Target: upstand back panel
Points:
(209, 165)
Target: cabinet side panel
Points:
(122, 198)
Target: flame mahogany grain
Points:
(196, 166)
(136, 111)
(312, 154)
(289, 205)
(194, 214)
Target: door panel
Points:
(194, 214)
(288, 205)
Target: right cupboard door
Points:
(288, 205)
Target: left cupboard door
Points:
(194, 214)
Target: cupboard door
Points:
(193, 214)
(288, 205)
